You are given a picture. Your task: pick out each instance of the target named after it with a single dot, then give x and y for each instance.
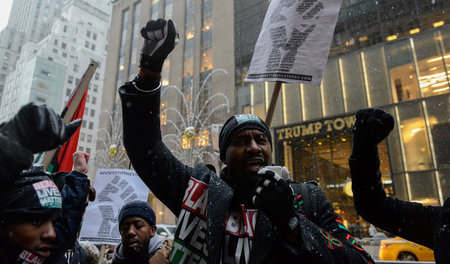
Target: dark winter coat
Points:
(74, 194)
(76, 255)
(426, 225)
(153, 245)
(200, 231)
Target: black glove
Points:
(274, 196)
(442, 235)
(161, 37)
(14, 158)
(38, 128)
(372, 125)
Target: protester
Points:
(31, 227)
(34, 129)
(249, 214)
(140, 243)
(77, 254)
(426, 225)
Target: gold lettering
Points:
(339, 124)
(280, 133)
(297, 131)
(288, 132)
(308, 130)
(350, 121)
(317, 127)
(328, 123)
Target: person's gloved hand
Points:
(38, 128)
(14, 158)
(161, 37)
(442, 236)
(372, 125)
(274, 196)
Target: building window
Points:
(64, 55)
(63, 45)
(402, 71)
(70, 79)
(94, 36)
(88, 34)
(65, 28)
(75, 67)
(92, 112)
(5, 66)
(68, 92)
(93, 47)
(97, 76)
(91, 125)
(40, 100)
(86, 44)
(89, 138)
(94, 100)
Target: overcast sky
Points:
(5, 7)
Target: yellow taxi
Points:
(398, 248)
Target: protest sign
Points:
(294, 41)
(114, 188)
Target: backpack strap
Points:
(305, 199)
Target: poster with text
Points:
(294, 41)
(114, 188)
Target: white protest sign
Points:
(294, 41)
(114, 188)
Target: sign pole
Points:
(102, 254)
(70, 111)
(273, 103)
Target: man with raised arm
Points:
(248, 214)
(426, 225)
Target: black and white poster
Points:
(294, 41)
(114, 188)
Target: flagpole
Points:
(273, 102)
(68, 112)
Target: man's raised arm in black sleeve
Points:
(409, 220)
(141, 119)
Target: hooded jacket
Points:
(202, 201)
(153, 245)
(426, 225)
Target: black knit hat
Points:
(236, 124)
(140, 209)
(30, 198)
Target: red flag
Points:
(65, 159)
(73, 110)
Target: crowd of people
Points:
(246, 213)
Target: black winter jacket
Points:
(199, 236)
(410, 220)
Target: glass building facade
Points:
(394, 55)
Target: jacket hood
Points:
(153, 245)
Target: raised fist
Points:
(274, 196)
(372, 126)
(38, 128)
(161, 37)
